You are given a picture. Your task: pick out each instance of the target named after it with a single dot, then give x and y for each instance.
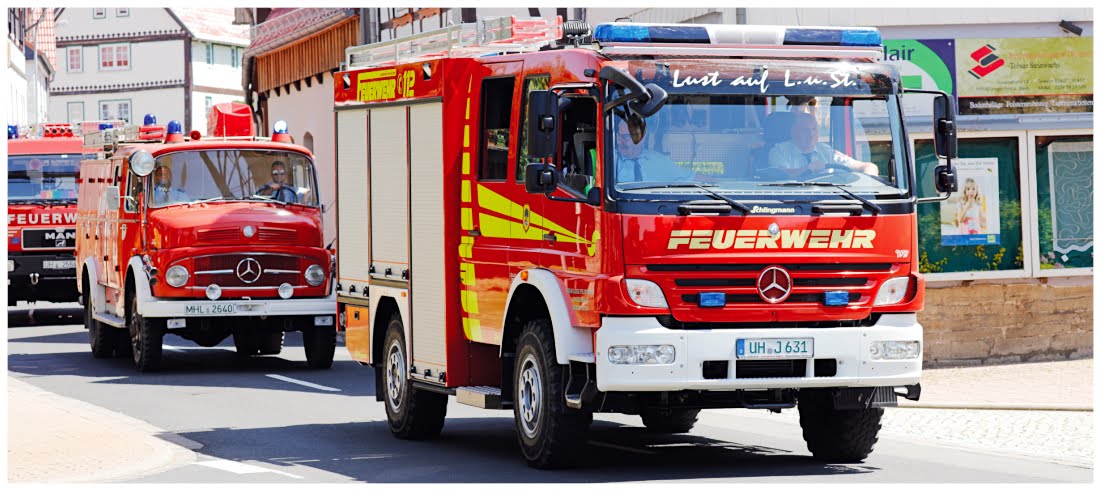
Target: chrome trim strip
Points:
(251, 287)
(281, 271)
(216, 271)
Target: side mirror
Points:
(944, 179)
(111, 197)
(542, 116)
(944, 126)
(658, 96)
(540, 178)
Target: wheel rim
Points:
(530, 395)
(395, 376)
(135, 331)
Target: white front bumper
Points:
(849, 346)
(269, 307)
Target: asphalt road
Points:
(270, 419)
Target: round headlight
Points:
(176, 276)
(213, 291)
(141, 163)
(315, 275)
(286, 290)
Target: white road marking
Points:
(172, 348)
(241, 468)
(303, 383)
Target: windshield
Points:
(743, 127)
(43, 177)
(235, 174)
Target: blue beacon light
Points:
(150, 119)
(174, 128)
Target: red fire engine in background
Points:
(202, 237)
(644, 219)
(42, 192)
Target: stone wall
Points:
(974, 324)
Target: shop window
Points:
(534, 82)
(496, 118)
(979, 227)
(1064, 195)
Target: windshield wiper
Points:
(733, 204)
(874, 208)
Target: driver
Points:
(278, 186)
(163, 193)
(637, 163)
(803, 152)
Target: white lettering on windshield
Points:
(712, 79)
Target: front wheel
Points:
(833, 435)
(551, 434)
(146, 338)
(412, 414)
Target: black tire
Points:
(838, 436)
(670, 420)
(246, 341)
(412, 414)
(146, 338)
(101, 337)
(271, 342)
(551, 434)
(320, 344)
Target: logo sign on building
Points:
(1025, 75)
(923, 64)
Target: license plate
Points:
(63, 264)
(775, 348)
(210, 309)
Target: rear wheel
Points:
(670, 420)
(101, 337)
(320, 344)
(246, 341)
(271, 342)
(551, 434)
(146, 338)
(412, 414)
(833, 435)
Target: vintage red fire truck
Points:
(643, 219)
(42, 190)
(202, 237)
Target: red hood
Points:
(29, 217)
(689, 255)
(223, 223)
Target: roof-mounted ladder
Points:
(497, 35)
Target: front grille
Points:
(276, 269)
(669, 322)
(704, 268)
(770, 368)
(49, 238)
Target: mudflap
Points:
(864, 398)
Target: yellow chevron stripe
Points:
(467, 219)
(469, 300)
(466, 163)
(466, 191)
(466, 136)
(467, 108)
(466, 247)
(496, 203)
(466, 274)
(472, 328)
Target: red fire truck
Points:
(202, 238)
(42, 193)
(636, 218)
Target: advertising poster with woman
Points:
(971, 216)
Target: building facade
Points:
(123, 63)
(30, 55)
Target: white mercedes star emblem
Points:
(774, 284)
(248, 270)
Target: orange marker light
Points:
(523, 276)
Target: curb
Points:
(996, 406)
(170, 449)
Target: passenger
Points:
(163, 194)
(636, 163)
(278, 187)
(803, 152)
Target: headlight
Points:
(894, 350)
(213, 291)
(176, 276)
(893, 291)
(646, 293)
(286, 291)
(11, 265)
(315, 275)
(663, 354)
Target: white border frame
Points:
(1028, 223)
(1035, 211)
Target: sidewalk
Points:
(1056, 385)
(55, 439)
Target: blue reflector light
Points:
(174, 128)
(643, 33)
(713, 299)
(833, 37)
(834, 299)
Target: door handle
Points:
(474, 233)
(550, 237)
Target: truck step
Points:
(480, 396)
(109, 319)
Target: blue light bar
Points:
(642, 33)
(712, 299)
(13, 132)
(104, 126)
(838, 298)
(800, 36)
(175, 128)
